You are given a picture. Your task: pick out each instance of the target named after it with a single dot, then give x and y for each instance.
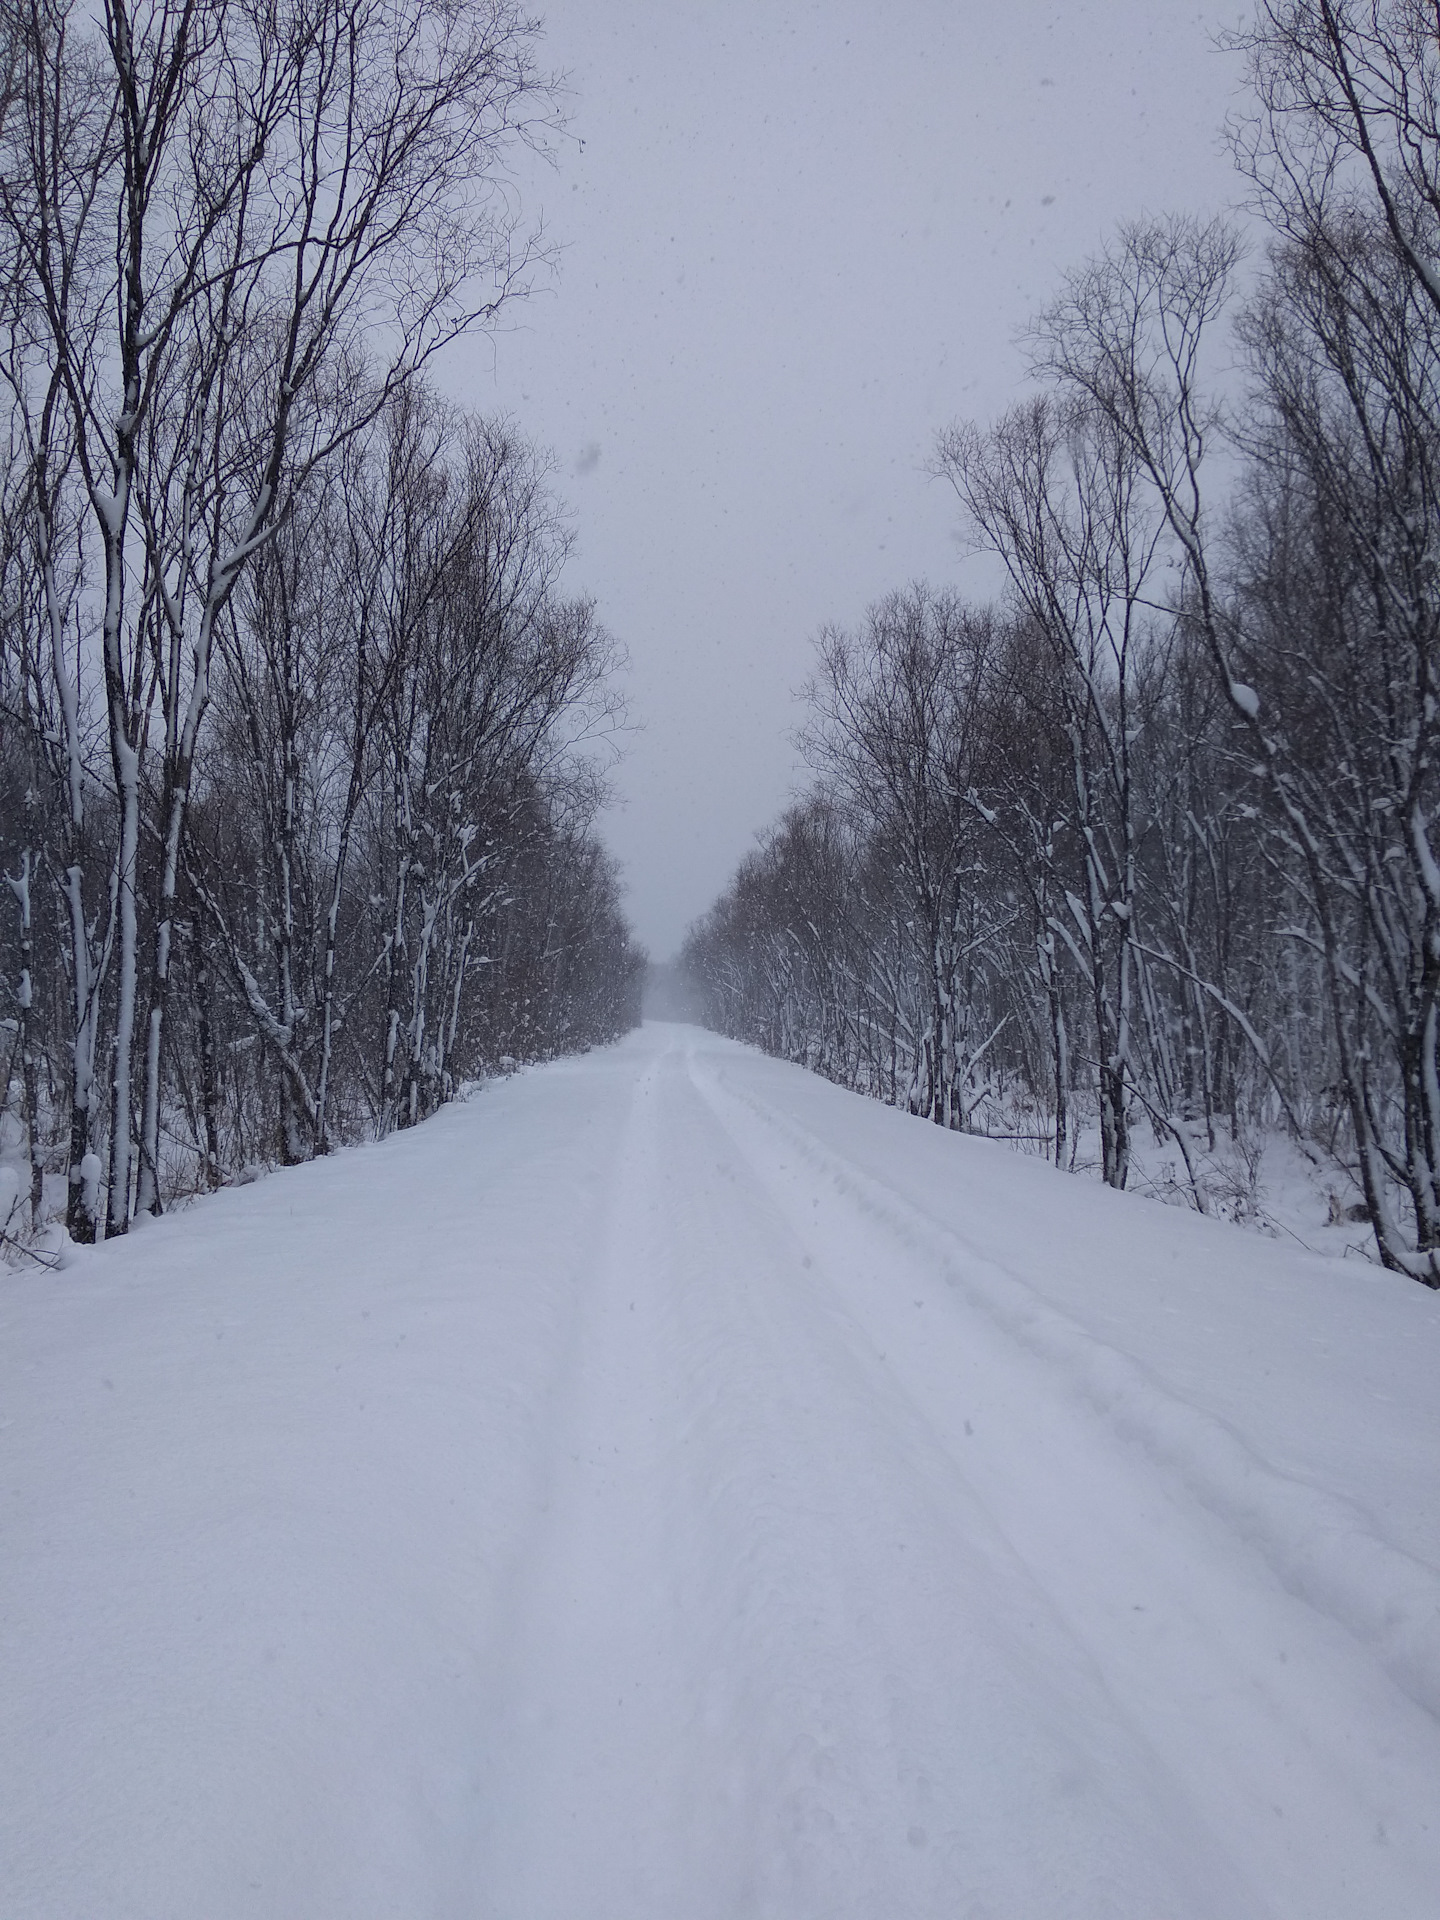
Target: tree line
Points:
(1149, 840)
(301, 737)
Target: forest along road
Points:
(668, 1487)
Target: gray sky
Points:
(798, 239)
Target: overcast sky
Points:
(798, 239)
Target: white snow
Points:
(669, 1487)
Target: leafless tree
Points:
(891, 732)
(1058, 495)
(218, 202)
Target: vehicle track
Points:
(845, 1610)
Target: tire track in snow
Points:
(592, 1725)
(777, 1661)
(1319, 1545)
(1249, 1702)
(592, 1507)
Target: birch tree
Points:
(1056, 494)
(243, 194)
(892, 729)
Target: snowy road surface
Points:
(669, 1488)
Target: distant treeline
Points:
(297, 725)
(1150, 842)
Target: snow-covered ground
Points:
(669, 1488)
(1265, 1181)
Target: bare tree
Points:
(217, 201)
(1348, 103)
(893, 734)
(1058, 495)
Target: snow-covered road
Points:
(670, 1488)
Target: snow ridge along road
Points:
(671, 1488)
